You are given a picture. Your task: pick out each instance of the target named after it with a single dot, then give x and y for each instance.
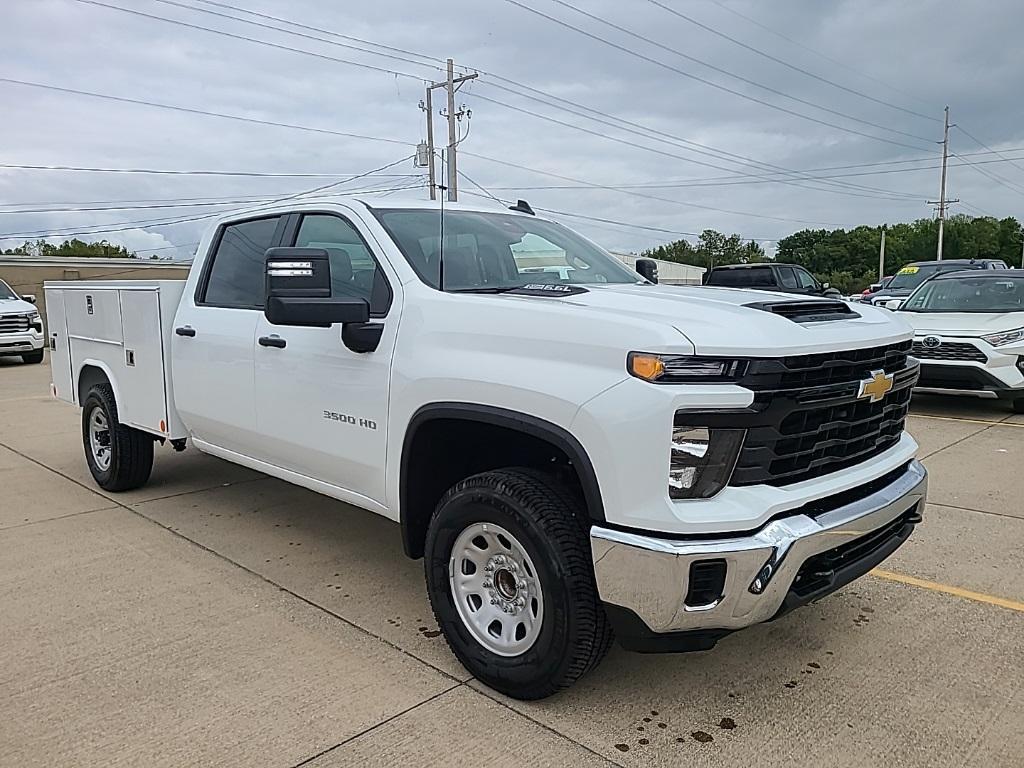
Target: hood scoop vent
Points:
(807, 311)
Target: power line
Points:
(255, 174)
(743, 179)
(507, 80)
(163, 222)
(993, 177)
(799, 44)
(224, 33)
(794, 182)
(787, 64)
(268, 26)
(711, 83)
(191, 110)
(438, 61)
(986, 147)
(123, 205)
(610, 188)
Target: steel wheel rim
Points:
(99, 438)
(496, 590)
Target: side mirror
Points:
(648, 268)
(299, 291)
(29, 297)
(893, 304)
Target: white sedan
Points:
(969, 334)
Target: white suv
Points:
(969, 334)
(21, 327)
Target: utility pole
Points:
(881, 256)
(451, 86)
(429, 109)
(942, 202)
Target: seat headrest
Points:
(341, 264)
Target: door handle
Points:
(273, 341)
(185, 330)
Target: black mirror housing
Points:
(29, 297)
(299, 290)
(647, 268)
(315, 312)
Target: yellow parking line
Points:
(934, 586)
(969, 421)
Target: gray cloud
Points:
(928, 58)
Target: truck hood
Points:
(717, 321)
(16, 306)
(963, 323)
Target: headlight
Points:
(702, 460)
(681, 369)
(1005, 337)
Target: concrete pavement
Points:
(220, 617)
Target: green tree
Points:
(712, 248)
(75, 247)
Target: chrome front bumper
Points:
(649, 576)
(20, 342)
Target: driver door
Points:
(322, 408)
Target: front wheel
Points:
(33, 357)
(120, 458)
(511, 583)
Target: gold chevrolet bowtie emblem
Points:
(876, 387)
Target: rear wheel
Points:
(120, 458)
(511, 583)
(33, 357)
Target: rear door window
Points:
(753, 277)
(787, 278)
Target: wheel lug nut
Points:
(493, 601)
(487, 585)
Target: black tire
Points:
(1017, 405)
(553, 529)
(33, 357)
(131, 450)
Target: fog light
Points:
(702, 460)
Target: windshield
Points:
(6, 292)
(495, 251)
(913, 275)
(969, 294)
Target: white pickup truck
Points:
(21, 328)
(577, 452)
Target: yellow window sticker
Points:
(908, 271)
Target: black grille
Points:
(807, 419)
(819, 571)
(13, 323)
(949, 350)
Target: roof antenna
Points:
(440, 243)
(523, 207)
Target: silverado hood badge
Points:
(876, 387)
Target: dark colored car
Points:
(789, 278)
(912, 275)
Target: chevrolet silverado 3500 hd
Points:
(577, 453)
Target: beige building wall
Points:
(26, 274)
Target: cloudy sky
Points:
(620, 111)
